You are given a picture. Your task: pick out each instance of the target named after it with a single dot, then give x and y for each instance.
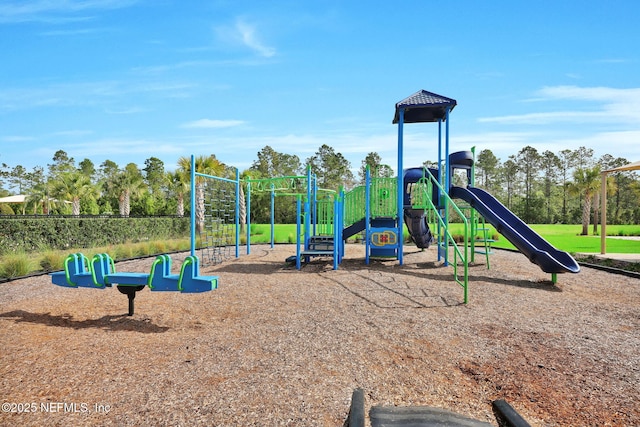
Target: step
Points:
(321, 239)
(321, 248)
(316, 253)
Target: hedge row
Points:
(43, 232)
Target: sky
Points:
(126, 80)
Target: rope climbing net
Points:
(217, 220)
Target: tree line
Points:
(548, 188)
(67, 187)
(539, 187)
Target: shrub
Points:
(16, 265)
(52, 260)
(157, 247)
(123, 252)
(31, 233)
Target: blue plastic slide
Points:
(418, 227)
(530, 243)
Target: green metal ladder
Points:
(481, 236)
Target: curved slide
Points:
(530, 243)
(418, 227)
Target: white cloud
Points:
(245, 34)
(212, 124)
(54, 11)
(606, 94)
(250, 39)
(504, 144)
(605, 105)
(73, 132)
(17, 138)
(88, 93)
(543, 118)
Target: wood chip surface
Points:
(274, 346)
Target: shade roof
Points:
(630, 167)
(424, 106)
(19, 198)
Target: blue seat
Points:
(101, 265)
(105, 274)
(127, 279)
(190, 279)
(101, 273)
(77, 273)
(161, 278)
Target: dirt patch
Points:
(277, 346)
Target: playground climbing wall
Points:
(217, 231)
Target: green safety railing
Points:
(325, 220)
(421, 198)
(384, 200)
(283, 183)
(354, 205)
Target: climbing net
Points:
(216, 219)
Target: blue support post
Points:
(439, 210)
(298, 232)
(367, 214)
(341, 228)
(446, 154)
(248, 217)
(237, 218)
(273, 214)
(400, 186)
(447, 184)
(307, 211)
(336, 235)
(314, 205)
(193, 205)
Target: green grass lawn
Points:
(562, 236)
(283, 233)
(568, 238)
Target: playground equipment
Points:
(420, 198)
(390, 416)
(215, 215)
(100, 273)
(423, 200)
(425, 106)
(278, 187)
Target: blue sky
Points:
(126, 80)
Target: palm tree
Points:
(586, 183)
(178, 186)
(72, 186)
(40, 194)
(129, 182)
(208, 165)
(243, 201)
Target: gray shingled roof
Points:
(424, 106)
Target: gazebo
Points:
(421, 107)
(603, 200)
(19, 198)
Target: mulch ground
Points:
(278, 346)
